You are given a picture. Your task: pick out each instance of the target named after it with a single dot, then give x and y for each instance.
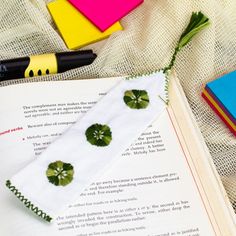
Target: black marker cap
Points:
(13, 68)
(71, 60)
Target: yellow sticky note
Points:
(76, 30)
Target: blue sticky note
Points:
(224, 89)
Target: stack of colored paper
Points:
(83, 22)
(220, 94)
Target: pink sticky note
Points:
(104, 13)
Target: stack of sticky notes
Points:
(104, 13)
(220, 94)
(81, 22)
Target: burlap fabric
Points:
(146, 44)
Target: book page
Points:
(201, 164)
(150, 190)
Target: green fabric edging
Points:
(28, 203)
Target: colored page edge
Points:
(220, 103)
(219, 112)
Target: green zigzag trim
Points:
(28, 203)
(167, 83)
(167, 80)
(142, 75)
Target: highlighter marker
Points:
(44, 64)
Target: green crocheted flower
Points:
(60, 173)
(136, 99)
(99, 135)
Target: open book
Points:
(165, 184)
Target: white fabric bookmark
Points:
(80, 155)
(57, 177)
